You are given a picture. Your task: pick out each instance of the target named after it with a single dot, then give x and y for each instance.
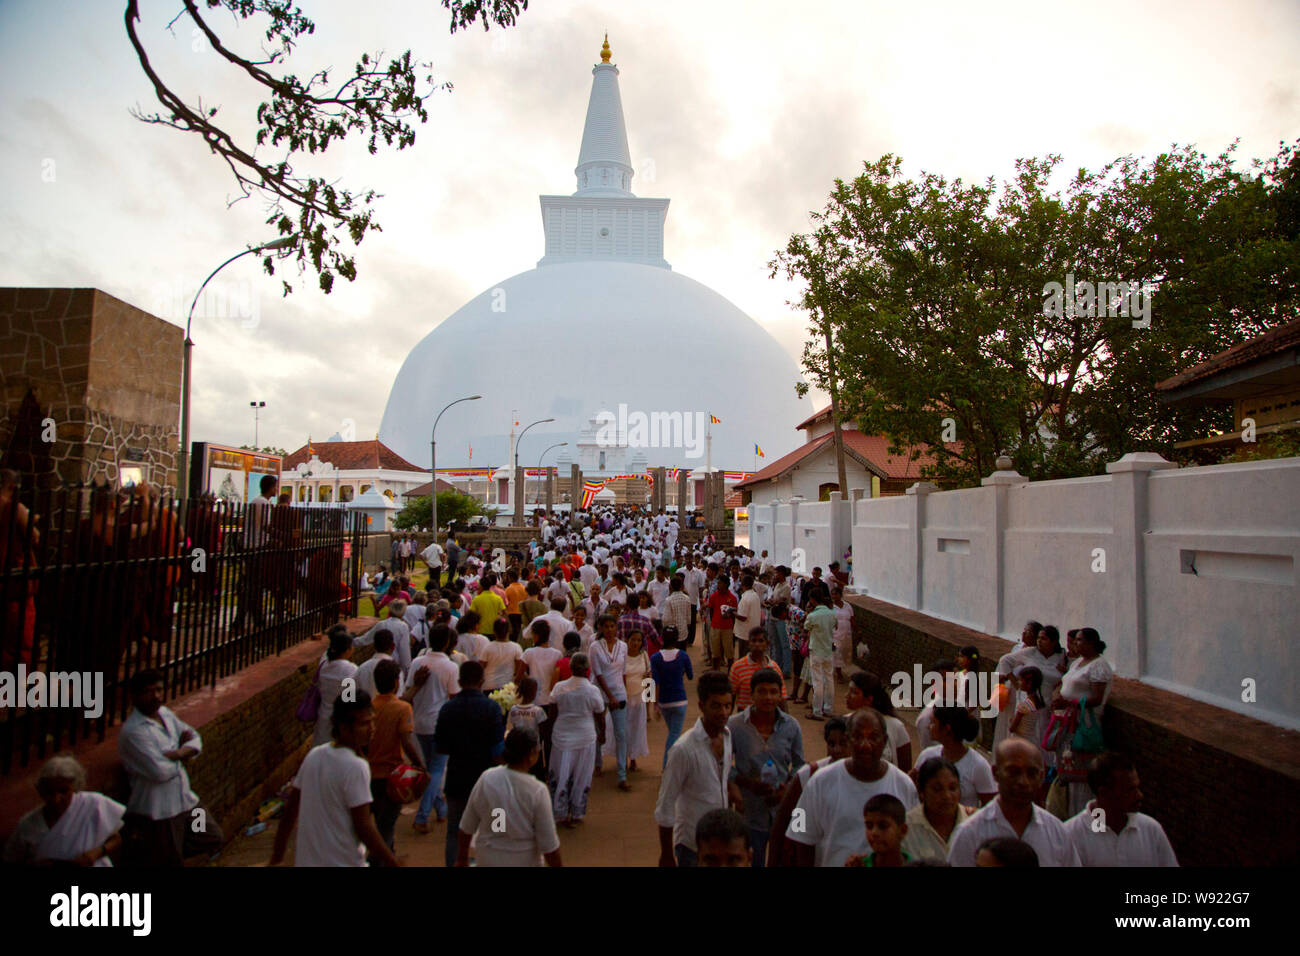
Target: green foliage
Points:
(1276, 445)
(452, 506)
(933, 292)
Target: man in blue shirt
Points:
(471, 732)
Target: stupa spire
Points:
(604, 161)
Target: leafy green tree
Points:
(452, 506)
(934, 294)
(303, 116)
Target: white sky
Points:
(742, 113)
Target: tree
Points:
(306, 116)
(936, 294)
(452, 506)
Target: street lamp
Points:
(433, 460)
(519, 492)
(183, 476)
(539, 465)
(256, 407)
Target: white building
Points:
(659, 342)
(338, 471)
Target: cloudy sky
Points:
(743, 113)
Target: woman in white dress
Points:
(573, 741)
(513, 797)
(1089, 679)
(951, 728)
(638, 668)
(334, 670)
(72, 826)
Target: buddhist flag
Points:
(471, 452)
(714, 420)
(589, 491)
(758, 451)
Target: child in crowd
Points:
(886, 821)
(1032, 713)
(527, 714)
(722, 837)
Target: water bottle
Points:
(770, 774)
(255, 829)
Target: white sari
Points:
(91, 818)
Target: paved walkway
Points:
(619, 828)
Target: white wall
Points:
(1116, 553)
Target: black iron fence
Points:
(97, 584)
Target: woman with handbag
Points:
(336, 668)
(1084, 689)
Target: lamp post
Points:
(256, 407)
(519, 492)
(183, 475)
(433, 460)
(539, 464)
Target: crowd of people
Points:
(512, 675)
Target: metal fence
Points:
(98, 584)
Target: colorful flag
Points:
(758, 451)
(471, 452)
(589, 491)
(714, 420)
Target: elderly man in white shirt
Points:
(696, 777)
(1110, 831)
(365, 675)
(1013, 813)
(165, 822)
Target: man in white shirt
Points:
(365, 675)
(696, 776)
(559, 624)
(1110, 831)
(1013, 813)
(330, 800)
(434, 678)
(749, 613)
(658, 588)
(830, 828)
(257, 538)
(400, 631)
(165, 822)
(588, 574)
(433, 557)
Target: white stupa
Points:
(602, 322)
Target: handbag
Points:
(1088, 737)
(1060, 728)
(406, 784)
(309, 708)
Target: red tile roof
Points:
(734, 500)
(870, 451)
(1261, 347)
(352, 456)
(419, 491)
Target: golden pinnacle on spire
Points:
(604, 50)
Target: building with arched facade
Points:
(337, 472)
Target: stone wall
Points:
(107, 374)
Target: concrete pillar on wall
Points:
(918, 493)
(1126, 559)
(682, 502)
(575, 487)
(798, 556)
(993, 613)
(550, 489)
(520, 491)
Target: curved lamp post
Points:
(519, 492)
(433, 459)
(539, 464)
(183, 475)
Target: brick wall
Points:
(1224, 786)
(252, 740)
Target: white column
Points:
(916, 519)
